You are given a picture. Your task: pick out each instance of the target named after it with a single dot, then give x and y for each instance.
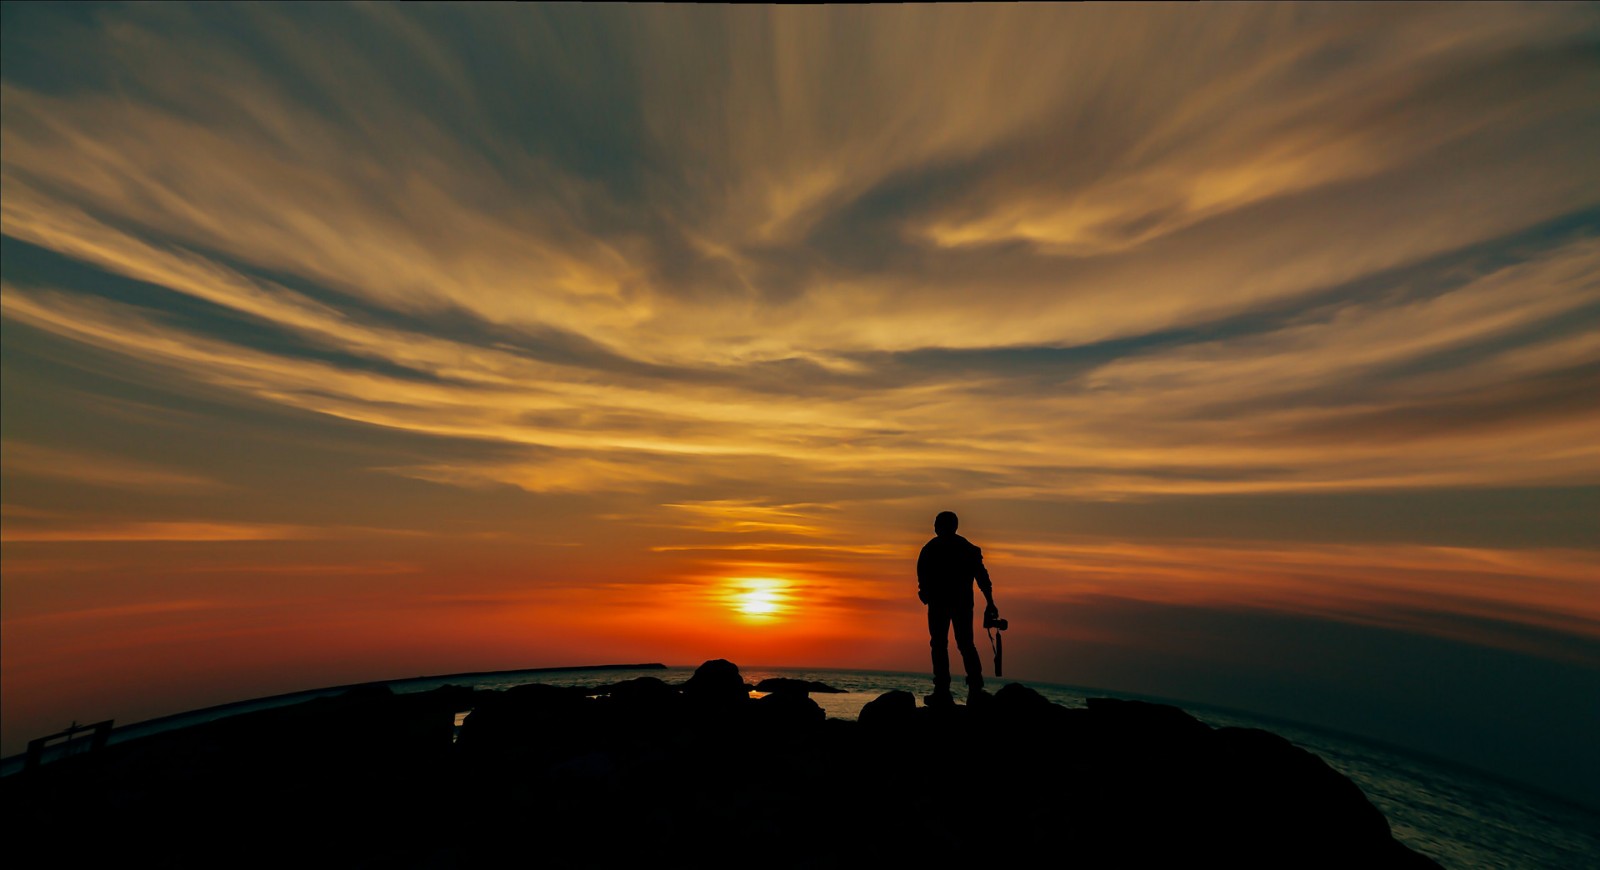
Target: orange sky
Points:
(345, 343)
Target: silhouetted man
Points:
(945, 572)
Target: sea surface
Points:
(1457, 816)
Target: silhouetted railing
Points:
(98, 732)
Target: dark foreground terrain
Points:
(697, 774)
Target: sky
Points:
(1257, 345)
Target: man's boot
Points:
(977, 696)
(941, 697)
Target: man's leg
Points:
(939, 641)
(969, 650)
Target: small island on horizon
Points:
(646, 770)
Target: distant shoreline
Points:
(651, 666)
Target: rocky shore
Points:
(699, 773)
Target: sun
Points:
(758, 602)
(758, 596)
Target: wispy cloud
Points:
(125, 611)
(1310, 254)
(159, 531)
(808, 549)
(741, 516)
(23, 458)
(1418, 588)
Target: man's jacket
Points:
(946, 569)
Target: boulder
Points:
(787, 710)
(889, 710)
(1141, 720)
(515, 717)
(788, 684)
(642, 691)
(1017, 698)
(716, 682)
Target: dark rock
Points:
(639, 691)
(541, 696)
(889, 710)
(589, 766)
(788, 684)
(717, 682)
(1293, 795)
(451, 696)
(501, 721)
(787, 710)
(367, 692)
(1139, 719)
(1017, 698)
(371, 779)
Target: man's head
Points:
(945, 523)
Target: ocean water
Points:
(1458, 817)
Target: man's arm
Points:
(922, 576)
(985, 585)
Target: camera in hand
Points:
(995, 622)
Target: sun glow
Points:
(758, 596)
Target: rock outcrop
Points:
(788, 684)
(890, 710)
(717, 682)
(642, 771)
